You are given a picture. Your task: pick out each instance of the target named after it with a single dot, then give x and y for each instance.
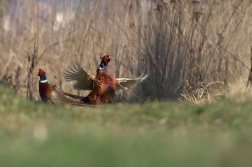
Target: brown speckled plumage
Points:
(104, 87)
(45, 91)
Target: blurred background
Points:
(193, 50)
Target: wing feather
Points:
(78, 78)
(123, 83)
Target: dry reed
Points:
(181, 44)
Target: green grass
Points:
(152, 134)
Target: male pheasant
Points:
(102, 86)
(52, 94)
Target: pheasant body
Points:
(52, 94)
(104, 87)
(45, 91)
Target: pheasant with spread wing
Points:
(102, 86)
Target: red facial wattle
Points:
(40, 72)
(106, 58)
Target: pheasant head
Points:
(42, 76)
(104, 62)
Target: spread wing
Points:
(78, 78)
(123, 83)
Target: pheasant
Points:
(102, 86)
(52, 94)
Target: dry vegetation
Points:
(193, 50)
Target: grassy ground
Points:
(151, 134)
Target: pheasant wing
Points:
(123, 83)
(78, 78)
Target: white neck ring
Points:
(43, 81)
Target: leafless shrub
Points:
(31, 64)
(204, 93)
(176, 42)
